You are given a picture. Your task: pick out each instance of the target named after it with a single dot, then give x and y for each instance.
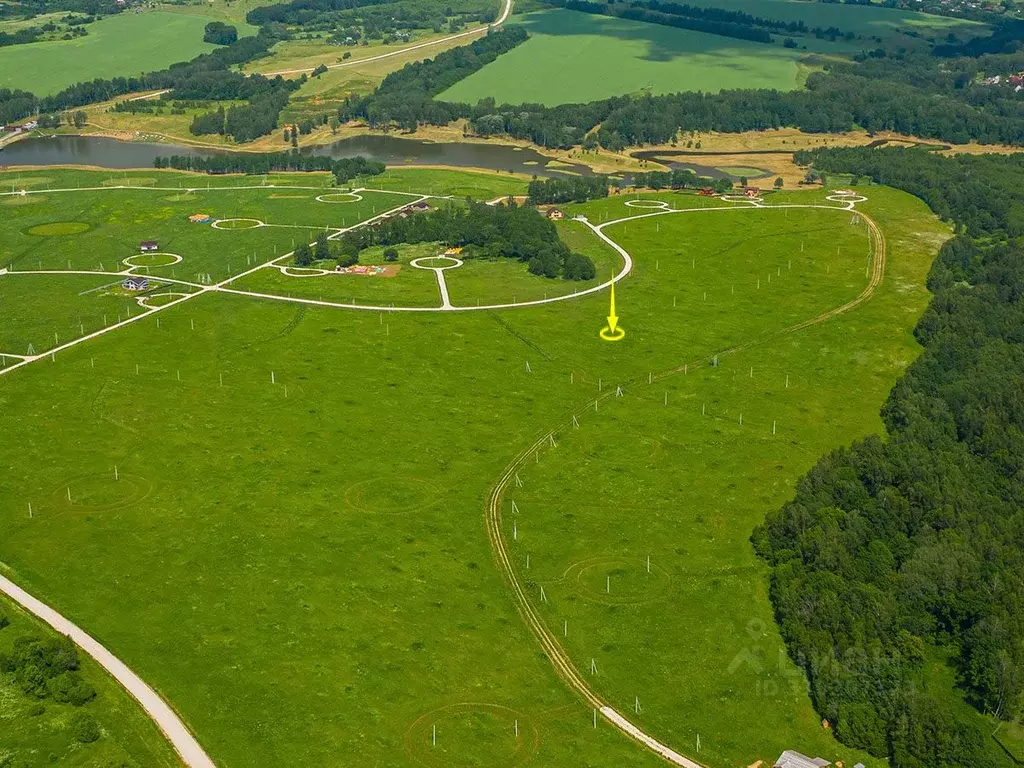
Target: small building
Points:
(148, 245)
(555, 215)
(453, 252)
(199, 218)
(752, 191)
(420, 207)
(707, 192)
(136, 283)
(792, 759)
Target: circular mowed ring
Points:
(59, 229)
(618, 580)
(392, 495)
(130, 261)
(237, 224)
(154, 300)
(301, 271)
(509, 736)
(654, 205)
(452, 262)
(741, 199)
(330, 197)
(846, 197)
(101, 493)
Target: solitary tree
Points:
(778, 183)
(390, 254)
(303, 255)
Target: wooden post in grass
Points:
(648, 563)
(773, 426)
(273, 378)
(608, 585)
(666, 398)
(30, 509)
(575, 421)
(434, 735)
(515, 531)
(115, 473)
(595, 718)
(565, 628)
(593, 666)
(528, 367)
(543, 595)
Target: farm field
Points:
(594, 57)
(321, 487)
(119, 46)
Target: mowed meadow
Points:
(294, 549)
(124, 45)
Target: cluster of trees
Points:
(405, 97)
(896, 551)
(219, 33)
(15, 104)
(679, 179)
(571, 189)
(249, 121)
(344, 169)
(485, 231)
(47, 669)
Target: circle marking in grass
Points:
(520, 735)
(230, 224)
(59, 229)
(631, 584)
(352, 197)
(653, 205)
(130, 260)
(144, 301)
(102, 493)
(419, 263)
(392, 495)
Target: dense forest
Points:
(344, 169)
(485, 231)
(898, 546)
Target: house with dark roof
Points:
(135, 283)
(148, 245)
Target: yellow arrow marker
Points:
(612, 331)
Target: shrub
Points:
(390, 254)
(70, 688)
(84, 728)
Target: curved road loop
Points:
(557, 655)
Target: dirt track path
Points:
(557, 655)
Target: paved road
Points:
(505, 11)
(190, 751)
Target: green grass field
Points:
(300, 562)
(119, 46)
(579, 57)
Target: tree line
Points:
(574, 189)
(696, 22)
(405, 96)
(344, 169)
(898, 551)
(484, 231)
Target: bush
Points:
(84, 728)
(4, 621)
(219, 33)
(70, 688)
(579, 267)
(390, 254)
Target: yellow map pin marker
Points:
(613, 331)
